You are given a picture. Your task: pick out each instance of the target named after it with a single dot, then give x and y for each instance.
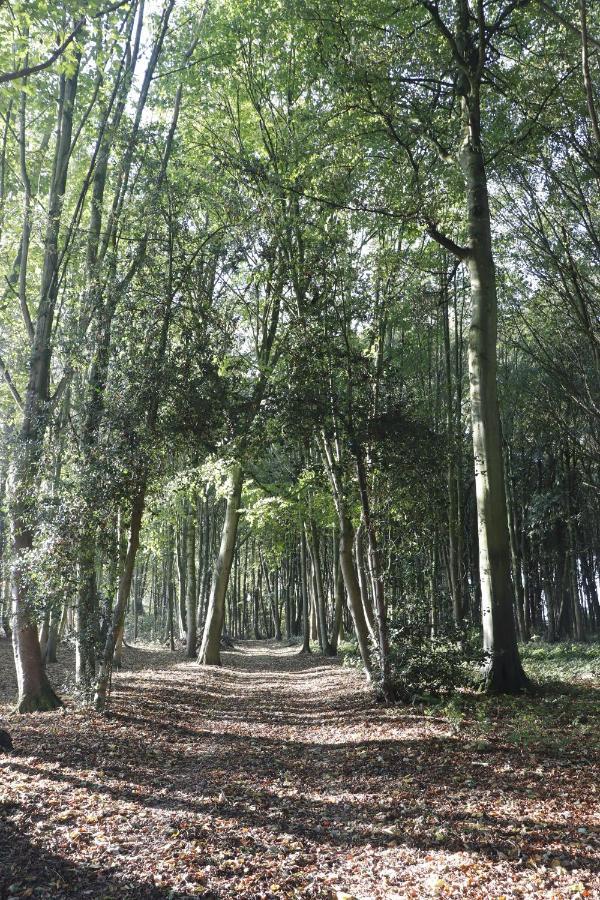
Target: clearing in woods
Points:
(276, 776)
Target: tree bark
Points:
(503, 670)
(209, 654)
(319, 594)
(116, 629)
(35, 692)
(190, 608)
(305, 598)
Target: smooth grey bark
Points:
(312, 535)
(503, 671)
(346, 558)
(305, 597)
(209, 654)
(190, 587)
(115, 631)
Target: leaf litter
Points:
(276, 775)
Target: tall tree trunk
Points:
(515, 551)
(376, 571)
(453, 500)
(305, 597)
(353, 593)
(209, 650)
(182, 551)
(434, 613)
(503, 670)
(361, 574)
(190, 611)
(338, 596)
(35, 691)
(319, 593)
(118, 618)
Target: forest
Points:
(299, 448)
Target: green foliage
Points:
(565, 662)
(424, 666)
(561, 717)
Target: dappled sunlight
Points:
(278, 769)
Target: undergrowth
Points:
(561, 717)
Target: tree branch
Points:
(446, 242)
(39, 67)
(547, 6)
(433, 10)
(11, 385)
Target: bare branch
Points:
(448, 243)
(11, 385)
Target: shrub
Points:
(431, 666)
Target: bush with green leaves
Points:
(423, 665)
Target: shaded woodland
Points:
(300, 366)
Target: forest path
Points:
(277, 776)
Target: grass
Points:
(562, 716)
(566, 663)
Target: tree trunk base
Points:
(44, 700)
(386, 692)
(209, 658)
(505, 676)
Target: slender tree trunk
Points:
(338, 596)
(319, 593)
(191, 618)
(376, 571)
(124, 591)
(35, 691)
(52, 642)
(353, 592)
(305, 597)
(453, 540)
(361, 573)
(434, 613)
(182, 550)
(503, 671)
(209, 650)
(517, 572)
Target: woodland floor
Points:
(277, 776)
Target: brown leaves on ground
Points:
(276, 776)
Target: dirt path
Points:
(275, 776)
